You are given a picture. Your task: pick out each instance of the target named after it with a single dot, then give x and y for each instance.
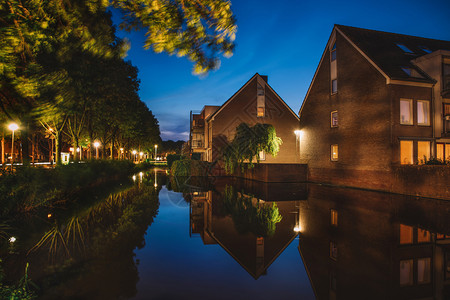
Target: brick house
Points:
(377, 100)
(255, 102)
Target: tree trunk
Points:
(58, 147)
(33, 147)
(3, 149)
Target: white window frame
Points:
(337, 119)
(411, 112)
(428, 112)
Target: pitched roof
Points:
(211, 117)
(385, 50)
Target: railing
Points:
(197, 144)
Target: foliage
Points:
(172, 146)
(20, 291)
(248, 143)
(188, 167)
(435, 161)
(171, 158)
(250, 216)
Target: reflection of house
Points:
(209, 219)
(255, 102)
(377, 100)
(367, 245)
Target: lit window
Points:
(406, 111)
(404, 48)
(260, 101)
(406, 152)
(333, 250)
(423, 112)
(334, 152)
(334, 217)
(424, 270)
(447, 151)
(262, 155)
(406, 272)
(334, 119)
(440, 152)
(406, 234)
(423, 236)
(423, 151)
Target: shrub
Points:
(188, 167)
(173, 157)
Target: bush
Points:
(173, 157)
(435, 161)
(188, 167)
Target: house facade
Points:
(255, 102)
(378, 100)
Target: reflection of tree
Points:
(251, 216)
(94, 248)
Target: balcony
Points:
(197, 144)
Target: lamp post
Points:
(140, 156)
(156, 149)
(13, 127)
(96, 145)
(134, 155)
(121, 153)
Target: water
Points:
(232, 239)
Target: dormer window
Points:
(411, 72)
(425, 49)
(405, 49)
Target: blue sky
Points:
(283, 39)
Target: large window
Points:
(334, 217)
(423, 112)
(334, 119)
(406, 111)
(424, 270)
(406, 234)
(334, 153)
(406, 152)
(423, 151)
(406, 272)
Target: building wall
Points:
(243, 108)
(364, 115)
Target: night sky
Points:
(282, 39)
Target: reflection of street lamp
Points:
(13, 127)
(156, 148)
(96, 145)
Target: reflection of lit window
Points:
(334, 153)
(406, 234)
(424, 270)
(423, 236)
(406, 111)
(406, 272)
(440, 236)
(333, 250)
(334, 217)
(406, 152)
(334, 119)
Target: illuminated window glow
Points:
(334, 153)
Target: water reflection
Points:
(367, 245)
(243, 219)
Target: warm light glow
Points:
(297, 228)
(140, 174)
(78, 149)
(134, 177)
(298, 133)
(49, 216)
(134, 152)
(13, 126)
(156, 146)
(141, 153)
(121, 149)
(96, 144)
(156, 185)
(12, 239)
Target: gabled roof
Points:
(211, 117)
(384, 50)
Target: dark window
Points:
(333, 52)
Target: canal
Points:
(157, 237)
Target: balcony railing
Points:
(197, 144)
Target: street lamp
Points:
(134, 155)
(96, 145)
(121, 153)
(156, 149)
(140, 156)
(13, 127)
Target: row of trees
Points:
(62, 72)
